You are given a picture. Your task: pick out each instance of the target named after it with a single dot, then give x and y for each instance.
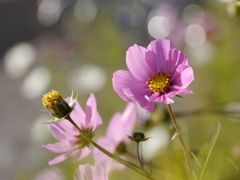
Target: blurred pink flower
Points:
(72, 144)
(143, 115)
(87, 172)
(157, 74)
(52, 173)
(116, 139)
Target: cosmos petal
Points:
(136, 63)
(175, 58)
(87, 172)
(139, 95)
(124, 79)
(159, 49)
(59, 147)
(77, 114)
(93, 119)
(58, 159)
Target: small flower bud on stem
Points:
(138, 137)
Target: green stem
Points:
(113, 156)
(138, 155)
(181, 140)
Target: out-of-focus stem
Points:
(139, 156)
(113, 156)
(181, 140)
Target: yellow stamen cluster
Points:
(159, 82)
(51, 98)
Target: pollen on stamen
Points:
(56, 105)
(159, 82)
(50, 98)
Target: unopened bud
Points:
(138, 137)
(56, 105)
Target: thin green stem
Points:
(131, 155)
(113, 156)
(139, 156)
(181, 140)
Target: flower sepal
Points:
(179, 96)
(138, 137)
(53, 120)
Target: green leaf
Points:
(210, 151)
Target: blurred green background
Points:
(70, 45)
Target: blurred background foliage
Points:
(78, 44)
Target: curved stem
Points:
(113, 156)
(181, 140)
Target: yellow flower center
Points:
(51, 98)
(159, 82)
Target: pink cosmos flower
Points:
(72, 144)
(157, 74)
(87, 172)
(116, 139)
